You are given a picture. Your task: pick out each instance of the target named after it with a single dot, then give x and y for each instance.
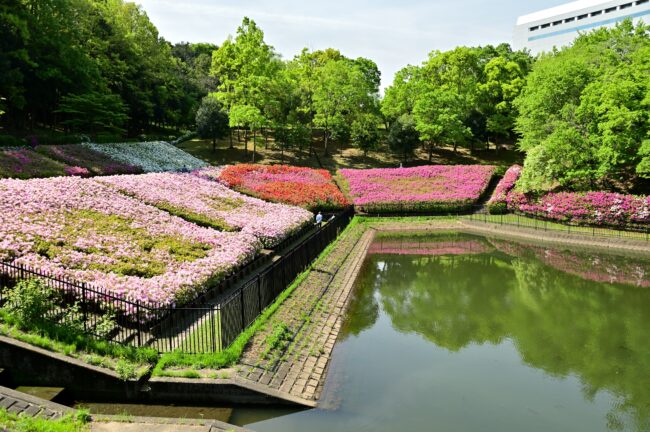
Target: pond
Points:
(454, 332)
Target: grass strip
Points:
(232, 354)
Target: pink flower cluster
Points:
(77, 171)
(78, 228)
(209, 203)
(594, 208)
(426, 188)
(498, 203)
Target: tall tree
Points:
(212, 120)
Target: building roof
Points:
(560, 10)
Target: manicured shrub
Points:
(589, 208)
(23, 163)
(305, 187)
(435, 188)
(498, 203)
(81, 229)
(211, 204)
(157, 156)
(80, 156)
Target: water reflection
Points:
(590, 319)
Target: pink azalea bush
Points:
(498, 203)
(592, 208)
(211, 204)
(77, 171)
(87, 231)
(426, 188)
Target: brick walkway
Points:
(314, 313)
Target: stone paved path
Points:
(314, 313)
(21, 403)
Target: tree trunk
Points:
(238, 135)
(455, 147)
(266, 139)
(230, 135)
(327, 134)
(214, 144)
(430, 151)
(254, 144)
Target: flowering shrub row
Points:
(90, 232)
(592, 208)
(305, 187)
(211, 204)
(427, 188)
(498, 203)
(24, 163)
(155, 156)
(85, 161)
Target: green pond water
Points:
(463, 333)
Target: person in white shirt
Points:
(319, 219)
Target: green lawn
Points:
(346, 157)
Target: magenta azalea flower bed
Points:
(590, 208)
(80, 157)
(498, 203)
(89, 232)
(211, 204)
(24, 164)
(422, 189)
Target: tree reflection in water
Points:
(568, 312)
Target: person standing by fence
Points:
(319, 219)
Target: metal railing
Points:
(537, 223)
(208, 324)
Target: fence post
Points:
(137, 317)
(83, 305)
(243, 316)
(259, 292)
(214, 332)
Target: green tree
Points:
(584, 112)
(212, 120)
(249, 117)
(503, 82)
(439, 118)
(364, 133)
(94, 112)
(403, 138)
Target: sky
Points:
(392, 33)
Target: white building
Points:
(559, 26)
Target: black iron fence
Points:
(524, 221)
(208, 324)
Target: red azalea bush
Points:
(498, 203)
(304, 187)
(591, 208)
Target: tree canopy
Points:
(585, 113)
